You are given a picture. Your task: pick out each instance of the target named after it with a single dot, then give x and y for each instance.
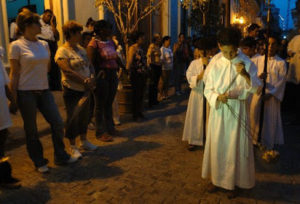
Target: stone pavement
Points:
(148, 164)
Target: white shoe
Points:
(73, 159)
(75, 154)
(43, 169)
(91, 126)
(86, 145)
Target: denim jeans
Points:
(29, 102)
(106, 89)
(80, 122)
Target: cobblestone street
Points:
(148, 164)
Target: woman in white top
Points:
(29, 59)
(167, 66)
(76, 80)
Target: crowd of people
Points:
(226, 76)
(86, 68)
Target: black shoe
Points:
(192, 147)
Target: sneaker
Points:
(43, 169)
(75, 153)
(91, 126)
(117, 123)
(72, 159)
(86, 145)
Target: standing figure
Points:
(228, 156)
(137, 65)
(50, 34)
(293, 75)
(167, 66)
(102, 53)
(29, 60)
(272, 131)
(154, 62)
(181, 55)
(193, 127)
(76, 80)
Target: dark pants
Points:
(291, 101)
(179, 68)
(138, 82)
(3, 137)
(79, 123)
(164, 82)
(153, 86)
(29, 102)
(5, 167)
(106, 88)
(54, 75)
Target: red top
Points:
(107, 53)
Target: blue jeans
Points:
(29, 102)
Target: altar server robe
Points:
(193, 126)
(272, 131)
(228, 156)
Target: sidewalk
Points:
(148, 164)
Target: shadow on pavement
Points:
(273, 191)
(96, 164)
(38, 194)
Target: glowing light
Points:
(239, 20)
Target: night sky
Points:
(283, 5)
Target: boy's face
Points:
(272, 47)
(249, 51)
(228, 51)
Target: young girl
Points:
(229, 79)
(193, 126)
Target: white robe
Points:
(293, 74)
(272, 132)
(193, 126)
(5, 120)
(228, 156)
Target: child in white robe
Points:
(194, 125)
(228, 156)
(272, 131)
(6, 179)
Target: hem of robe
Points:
(193, 142)
(220, 185)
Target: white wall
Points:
(82, 10)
